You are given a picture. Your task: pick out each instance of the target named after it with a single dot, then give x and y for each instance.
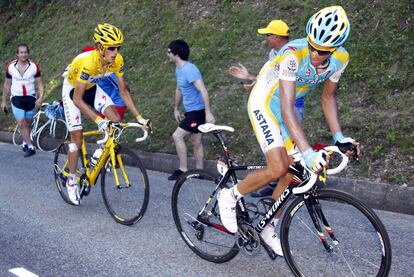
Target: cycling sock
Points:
(236, 193)
(273, 222)
(72, 177)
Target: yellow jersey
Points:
(87, 68)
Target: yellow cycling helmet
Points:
(108, 35)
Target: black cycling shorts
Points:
(26, 103)
(88, 96)
(192, 120)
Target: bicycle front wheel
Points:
(17, 136)
(200, 226)
(51, 135)
(61, 170)
(125, 187)
(361, 247)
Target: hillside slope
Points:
(376, 97)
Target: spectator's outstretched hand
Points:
(239, 72)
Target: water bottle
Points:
(95, 157)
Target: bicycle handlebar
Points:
(125, 125)
(314, 176)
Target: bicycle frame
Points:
(109, 150)
(315, 213)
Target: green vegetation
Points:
(376, 97)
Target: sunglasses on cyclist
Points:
(320, 52)
(113, 48)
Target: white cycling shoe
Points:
(272, 240)
(227, 207)
(73, 192)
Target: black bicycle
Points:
(323, 232)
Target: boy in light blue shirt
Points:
(192, 92)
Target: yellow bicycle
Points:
(124, 180)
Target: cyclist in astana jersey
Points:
(80, 91)
(298, 68)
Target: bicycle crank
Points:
(84, 186)
(248, 240)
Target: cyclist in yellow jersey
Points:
(298, 68)
(80, 92)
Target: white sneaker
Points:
(272, 240)
(227, 207)
(73, 192)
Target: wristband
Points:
(307, 152)
(338, 136)
(97, 119)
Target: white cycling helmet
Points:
(329, 27)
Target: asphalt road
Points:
(44, 235)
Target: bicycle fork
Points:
(317, 216)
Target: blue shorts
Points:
(22, 114)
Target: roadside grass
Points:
(375, 97)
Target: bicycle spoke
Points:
(197, 224)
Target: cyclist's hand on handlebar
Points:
(102, 124)
(315, 160)
(349, 147)
(145, 123)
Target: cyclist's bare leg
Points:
(75, 137)
(25, 125)
(282, 184)
(198, 150)
(178, 137)
(277, 164)
(112, 114)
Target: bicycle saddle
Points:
(209, 127)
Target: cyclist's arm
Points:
(41, 91)
(287, 106)
(329, 106)
(78, 101)
(126, 95)
(6, 92)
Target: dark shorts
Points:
(26, 103)
(192, 120)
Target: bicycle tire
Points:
(17, 136)
(51, 135)
(357, 228)
(58, 169)
(117, 202)
(194, 232)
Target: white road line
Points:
(22, 272)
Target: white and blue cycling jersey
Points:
(110, 86)
(292, 63)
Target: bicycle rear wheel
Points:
(127, 202)
(51, 135)
(17, 136)
(203, 231)
(362, 247)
